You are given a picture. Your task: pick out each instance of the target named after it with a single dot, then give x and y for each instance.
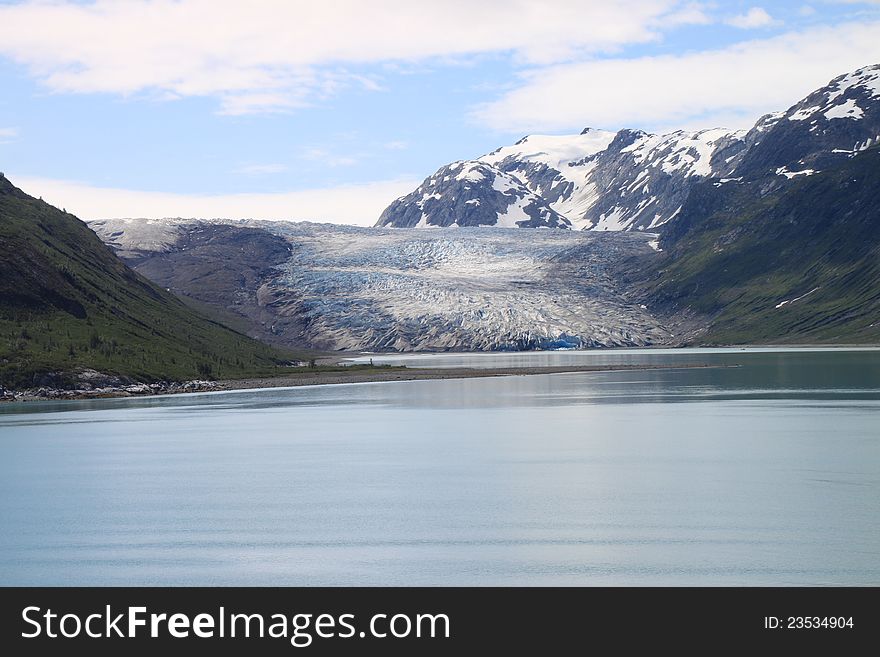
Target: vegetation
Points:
(737, 255)
(67, 303)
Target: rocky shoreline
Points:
(44, 393)
(91, 384)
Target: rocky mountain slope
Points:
(632, 180)
(755, 262)
(225, 270)
(466, 193)
(822, 130)
(68, 304)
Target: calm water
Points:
(766, 473)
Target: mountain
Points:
(472, 194)
(799, 264)
(632, 180)
(225, 270)
(708, 237)
(68, 304)
(599, 180)
(825, 128)
(770, 259)
(637, 181)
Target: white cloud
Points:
(328, 159)
(356, 204)
(734, 84)
(277, 55)
(396, 145)
(236, 104)
(8, 134)
(261, 169)
(693, 13)
(753, 18)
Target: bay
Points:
(763, 469)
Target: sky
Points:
(289, 109)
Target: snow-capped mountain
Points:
(628, 180)
(595, 180)
(473, 194)
(633, 180)
(829, 125)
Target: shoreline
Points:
(333, 377)
(342, 368)
(843, 346)
(438, 373)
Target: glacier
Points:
(371, 289)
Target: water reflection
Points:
(767, 473)
(734, 374)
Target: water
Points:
(767, 473)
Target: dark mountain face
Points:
(789, 249)
(826, 127)
(226, 271)
(798, 263)
(67, 302)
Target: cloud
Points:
(8, 135)
(328, 159)
(261, 169)
(753, 18)
(278, 55)
(396, 145)
(356, 204)
(735, 84)
(237, 104)
(693, 13)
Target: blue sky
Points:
(278, 109)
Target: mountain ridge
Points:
(798, 262)
(634, 180)
(68, 304)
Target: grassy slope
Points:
(749, 255)
(66, 302)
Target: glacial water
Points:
(762, 471)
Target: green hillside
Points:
(741, 250)
(68, 303)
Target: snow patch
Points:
(611, 220)
(861, 146)
(847, 110)
(765, 123)
(691, 153)
(471, 174)
(867, 79)
(784, 303)
(783, 171)
(556, 151)
(804, 114)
